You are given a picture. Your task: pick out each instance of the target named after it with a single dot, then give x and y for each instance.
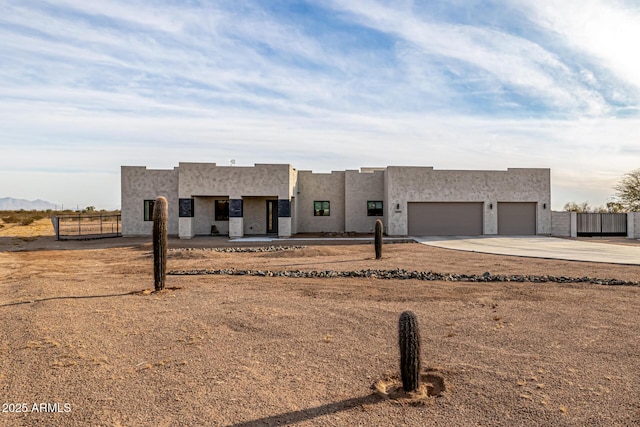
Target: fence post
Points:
(55, 221)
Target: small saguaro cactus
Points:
(378, 239)
(160, 214)
(409, 342)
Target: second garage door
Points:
(445, 218)
(517, 219)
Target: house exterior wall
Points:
(205, 216)
(320, 187)
(208, 179)
(198, 180)
(138, 184)
(291, 225)
(424, 184)
(347, 192)
(561, 224)
(633, 225)
(255, 214)
(361, 187)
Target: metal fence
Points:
(87, 226)
(602, 224)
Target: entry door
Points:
(272, 216)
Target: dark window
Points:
(148, 209)
(185, 208)
(321, 208)
(374, 209)
(222, 210)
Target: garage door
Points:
(445, 219)
(517, 218)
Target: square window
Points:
(186, 208)
(222, 210)
(321, 208)
(148, 209)
(374, 208)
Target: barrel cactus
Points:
(160, 214)
(378, 239)
(409, 342)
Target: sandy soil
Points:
(80, 335)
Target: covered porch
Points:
(222, 215)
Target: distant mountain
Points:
(11, 204)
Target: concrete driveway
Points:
(539, 247)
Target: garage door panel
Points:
(445, 218)
(517, 218)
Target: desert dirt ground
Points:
(81, 330)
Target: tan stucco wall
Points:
(361, 187)
(255, 214)
(207, 179)
(293, 221)
(633, 225)
(348, 192)
(319, 187)
(205, 216)
(292, 227)
(238, 182)
(561, 224)
(424, 184)
(139, 184)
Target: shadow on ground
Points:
(311, 413)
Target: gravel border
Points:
(402, 274)
(239, 249)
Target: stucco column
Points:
(574, 224)
(185, 228)
(631, 220)
(396, 218)
(490, 218)
(236, 220)
(284, 218)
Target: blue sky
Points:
(88, 86)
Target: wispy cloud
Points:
(607, 31)
(90, 86)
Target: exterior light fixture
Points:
(544, 206)
(490, 205)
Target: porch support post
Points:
(236, 220)
(284, 218)
(185, 218)
(185, 228)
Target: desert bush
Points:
(27, 221)
(160, 214)
(409, 343)
(22, 217)
(11, 219)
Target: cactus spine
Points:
(378, 239)
(160, 214)
(409, 342)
